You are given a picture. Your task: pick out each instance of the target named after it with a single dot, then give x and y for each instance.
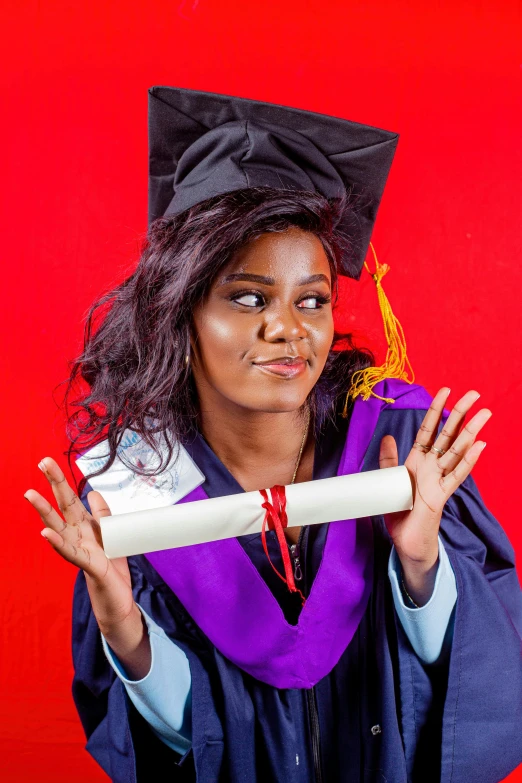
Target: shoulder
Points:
(401, 418)
(396, 402)
(407, 396)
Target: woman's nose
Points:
(284, 324)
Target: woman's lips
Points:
(284, 369)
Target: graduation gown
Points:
(380, 714)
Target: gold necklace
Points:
(302, 445)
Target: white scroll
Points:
(309, 503)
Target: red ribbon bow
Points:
(276, 519)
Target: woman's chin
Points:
(282, 403)
(283, 397)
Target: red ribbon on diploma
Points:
(276, 519)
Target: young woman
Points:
(200, 664)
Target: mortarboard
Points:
(203, 144)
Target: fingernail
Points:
(42, 533)
(484, 446)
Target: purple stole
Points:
(226, 596)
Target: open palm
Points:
(437, 466)
(77, 538)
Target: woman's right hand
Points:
(77, 538)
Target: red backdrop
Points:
(445, 75)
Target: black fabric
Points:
(203, 144)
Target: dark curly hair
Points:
(137, 335)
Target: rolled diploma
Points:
(309, 503)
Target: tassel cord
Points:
(396, 364)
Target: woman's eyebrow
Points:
(314, 279)
(246, 276)
(270, 280)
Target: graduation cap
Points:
(203, 144)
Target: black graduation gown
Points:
(380, 715)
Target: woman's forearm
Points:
(129, 639)
(121, 623)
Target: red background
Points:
(445, 75)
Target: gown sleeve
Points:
(118, 737)
(464, 714)
(483, 708)
(429, 627)
(162, 696)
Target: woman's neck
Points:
(259, 449)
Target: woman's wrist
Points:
(419, 579)
(129, 640)
(111, 598)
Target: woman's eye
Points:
(249, 300)
(311, 302)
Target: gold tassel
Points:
(396, 364)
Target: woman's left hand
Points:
(437, 465)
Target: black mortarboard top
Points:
(203, 144)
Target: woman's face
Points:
(263, 335)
